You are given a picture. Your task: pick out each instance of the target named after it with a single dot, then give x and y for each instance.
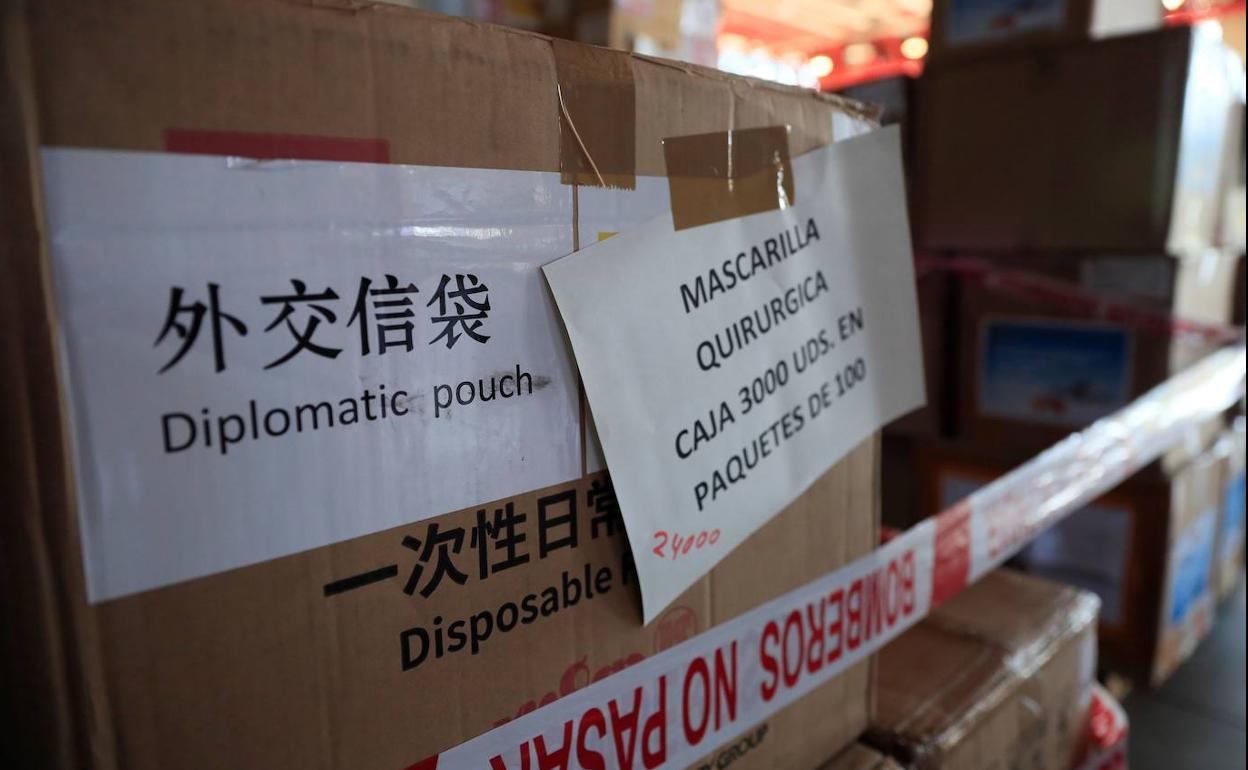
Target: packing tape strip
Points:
(675, 707)
(597, 116)
(1071, 296)
(728, 174)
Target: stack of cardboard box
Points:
(1072, 198)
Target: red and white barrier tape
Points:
(1108, 732)
(1075, 298)
(673, 708)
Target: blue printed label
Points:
(1193, 559)
(1231, 535)
(1062, 374)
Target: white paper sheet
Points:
(729, 365)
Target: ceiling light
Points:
(916, 47)
(821, 65)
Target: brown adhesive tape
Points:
(597, 110)
(728, 174)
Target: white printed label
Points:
(265, 358)
(729, 365)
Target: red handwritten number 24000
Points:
(675, 545)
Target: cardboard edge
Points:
(56, 702)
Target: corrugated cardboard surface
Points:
(258, 667)
(439, 90)
(993, 679)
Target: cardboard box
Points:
(1229, 557)
(1241, 283)
(997, 677)
(1145, 549)
(1035, 366)
(860, 757)
(372, 652)
(1030, 152)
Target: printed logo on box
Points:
(1067, 374)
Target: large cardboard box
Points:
(997, 677)
(1029, 151)
(381, 649)
(1037, 363)
(1145, 549)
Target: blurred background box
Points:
(1229, 557)
(1117, 145)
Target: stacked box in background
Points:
(1071, 248)
(999, 676)
(1028, 151)
(1145, 549)
(860, 757)
(283, 663)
